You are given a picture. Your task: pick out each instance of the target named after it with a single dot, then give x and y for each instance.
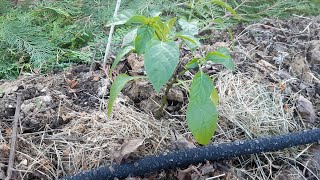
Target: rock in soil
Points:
(306, 109)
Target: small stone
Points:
(176, 94)
(306, 109)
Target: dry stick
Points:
(106, 54)
(14, 137)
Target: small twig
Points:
(14, 137)
(110, 35)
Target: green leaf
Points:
(202, 120)
(201, 113)
(192, 64)
(221, 56)
(189, 27)
(187, 38)
(160, 62)
(201, 87)
(171, 22)
(138, 19)
(144, 35)
(117, 85)
(227, 7)
(121, 18)
(120, 55)
(215, 96)
(191, 41)
(162, 29)
(129, 37)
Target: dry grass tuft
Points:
(89, 140)
(249, 109)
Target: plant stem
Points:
(164, 99)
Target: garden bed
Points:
(275, 90)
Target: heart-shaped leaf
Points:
(221, 56)
(160, 62)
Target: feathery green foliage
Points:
(45, 35)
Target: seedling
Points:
(155, 40)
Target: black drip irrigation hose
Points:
(197, 155)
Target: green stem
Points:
(164, 99)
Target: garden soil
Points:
(64, 129)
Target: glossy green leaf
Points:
(160, 62)
(138, 19)
(189, 27)
(144, 35)
(227, 7)
(120, 55)
(215, 96)
(129, 37)
(221, 56)
(121, 18)
(117, 85)
(192, 64)
(202, 120)
(201, 114)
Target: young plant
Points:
(155, 40)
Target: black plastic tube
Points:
(197, 155)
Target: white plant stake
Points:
(106, 54)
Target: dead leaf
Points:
(207, 168)
(72, 83)
(96, 78)
(135, 63)
(126, 149)
(24, 162)
(8, 131)
(190, 173)
(179, 142)
(306, 110)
